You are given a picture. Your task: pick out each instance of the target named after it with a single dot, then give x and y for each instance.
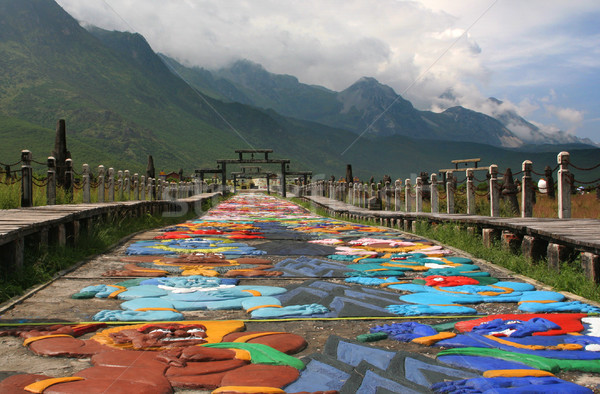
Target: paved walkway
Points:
(259, 295)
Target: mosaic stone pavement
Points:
(181, 310)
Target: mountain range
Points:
(123, 102)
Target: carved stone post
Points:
(51, 187)
(494, 192)
(111, 184)
(398, 195)
(136, 187)
(143, 188)
(388, 203)
(407, 195)
(151, 187)
(86, 184)
(435, 196)
(69, 179)
(419, 195)
(470, 193)
(564, 186)
(449, 192)
(120, 185)
(510, 191)
(127, 185)
(527, 191)
(100, 183)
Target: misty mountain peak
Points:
(368, 93)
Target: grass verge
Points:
(569, 278)
(42, 265)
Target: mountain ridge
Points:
(122, 102)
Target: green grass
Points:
(42, 265)
(570, 276)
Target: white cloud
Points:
(511, 44)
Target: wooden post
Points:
(564, 186)
(407, 196)
(111, 184)
(494, 192)
(449, 192)
(527, 191)
(51, 188)
(419, 195)
(86, 184)
(435, 196)
(101, 183)
(136, 187)
(470, 193)
(127, 185)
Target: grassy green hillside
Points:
(121, 103)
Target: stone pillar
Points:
(527, 191)
(127, 185)
(27, 179)
(111, 184)
(283, 181)
(120, 185)
(591, 266)
(100, 183)
(435, 196)
(136, 187)
(489, 235)
(511, 242)
(449, 192)
(510, 191)
(86, 184)
(564, 186)
(143, 188)
(69, 179)
(419, 195)
(556, 253)
(407, 196)
(470, 193)
(398, 195)
(51, 187)
(533, 248)
(386, 192)
(494, 192)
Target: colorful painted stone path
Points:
(261, 296)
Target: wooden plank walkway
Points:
(61, 223)
(579, 234)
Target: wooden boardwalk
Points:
(61, 224)
(555, 239)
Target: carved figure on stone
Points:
(510, 191)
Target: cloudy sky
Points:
(541, 57)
